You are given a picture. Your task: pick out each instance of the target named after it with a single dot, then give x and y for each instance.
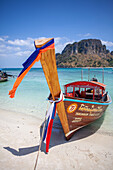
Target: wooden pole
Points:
(103, 75)
(88, 74)
(48, 62)
(81, 74)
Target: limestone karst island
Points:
(85, 53)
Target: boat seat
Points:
(77, 94)
(83, 94)
(104, 98)
(70, 94)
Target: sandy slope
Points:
(19, 141)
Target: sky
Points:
(67, 21)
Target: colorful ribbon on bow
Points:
(35, 57)
(50, 117)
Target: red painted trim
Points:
(87, 84)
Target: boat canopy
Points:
(87, 84)
(85, 89)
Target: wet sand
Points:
(19, 143)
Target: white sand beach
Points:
(19, 141)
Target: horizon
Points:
(22, 22)
(57, 68)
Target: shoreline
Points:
(19, 142)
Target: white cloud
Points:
(6, 37)
(17, 47)
(87, 35)
(1, 39)
(13, 48)
(23, 53)
(107, 43)
(84, 35)
(57, 40)
(21, 49)
(24, 47)
(18, 42)
(61, 42)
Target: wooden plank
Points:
(48, 62)
(40, 42)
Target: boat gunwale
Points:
(81, 100)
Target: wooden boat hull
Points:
(82, 112)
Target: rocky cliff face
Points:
(85, 53)
(90, 46)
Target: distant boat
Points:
(3, 76)
(3, 79)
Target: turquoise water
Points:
(32, 93)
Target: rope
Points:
(40, 140)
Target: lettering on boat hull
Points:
(81, 114)
(92, 108)
(77, 119)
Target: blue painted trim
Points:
(82, 101)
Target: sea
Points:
(31, 95)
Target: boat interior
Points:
(86, 90)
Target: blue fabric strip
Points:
(53, 113)
(29, 61)
(45, 133)
(33, 56)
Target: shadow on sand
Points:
(58, 138)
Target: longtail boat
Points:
(83, 101)
(3, 76)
